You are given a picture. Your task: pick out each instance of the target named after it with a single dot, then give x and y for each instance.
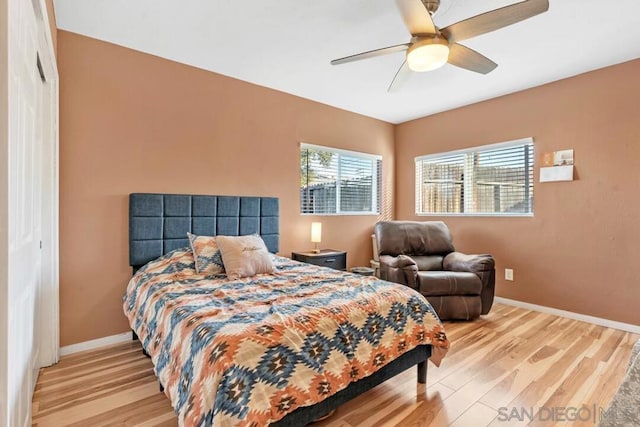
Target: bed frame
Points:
(158, 223)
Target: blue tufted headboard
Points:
(158, 223)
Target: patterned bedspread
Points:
(249, 351)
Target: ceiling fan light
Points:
(428, 54)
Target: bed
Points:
(281, 349)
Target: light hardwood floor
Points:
(512, 358)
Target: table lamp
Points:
(316, 235)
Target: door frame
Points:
(4, 206)
(48, 295)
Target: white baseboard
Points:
(571, 315)
(93, 344)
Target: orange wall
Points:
(131, 122)
(581, 250)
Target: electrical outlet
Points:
(508, 274)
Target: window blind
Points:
(490, 180)
(336, 181)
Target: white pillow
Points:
(245, 256)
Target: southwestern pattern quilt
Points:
(249, 351)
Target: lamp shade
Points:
(428, 54)
(316, 232)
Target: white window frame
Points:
(375, 158)
(467, 182)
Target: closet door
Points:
(25, 195)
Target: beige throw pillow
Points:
(244, 256)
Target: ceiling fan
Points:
(431, 47)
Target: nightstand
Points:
(325, 258)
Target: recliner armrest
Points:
(483, 266)
(399, 269)
(457, 261)
(400, 261)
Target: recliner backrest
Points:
(413, 238)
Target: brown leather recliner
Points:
(420, 254)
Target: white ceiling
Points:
(287, 45)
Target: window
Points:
(336, 181)
(490, 180)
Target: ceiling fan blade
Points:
(463, 57)
(416, 17)
(400, 78)
(493, 20)
(372, 53)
